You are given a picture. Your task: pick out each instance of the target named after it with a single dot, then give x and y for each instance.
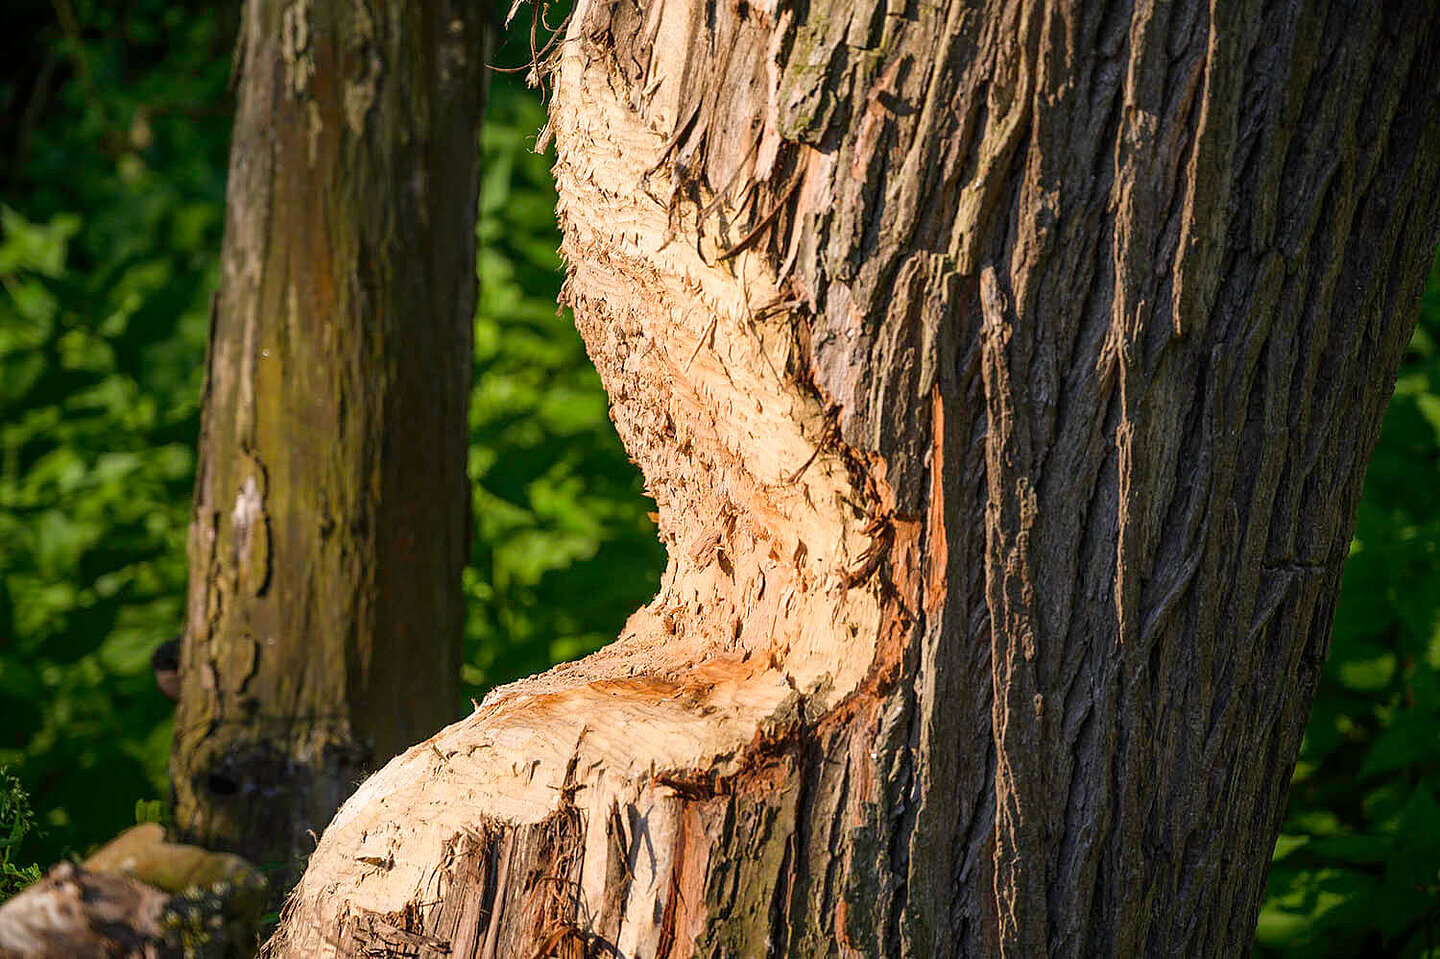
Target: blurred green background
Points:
(114, 122)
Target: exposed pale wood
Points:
(1005, 376)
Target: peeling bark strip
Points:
(1005, 376)
(331, 507)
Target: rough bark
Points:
(1005, 375)
(331, 508)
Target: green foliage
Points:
(152, 810)
(1357, 867)
(107, 260)
(16, 821)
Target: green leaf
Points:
(1412, 738)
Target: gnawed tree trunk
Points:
(331, 508)
(1005, 376)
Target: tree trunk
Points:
(331, 507)
(1005, 376)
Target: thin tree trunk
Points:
(1005, 376)
(331, 506)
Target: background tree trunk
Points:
(331, 506)
(1005, 376)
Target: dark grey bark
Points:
(1092, 311)
(331, 506)
(1172, 333)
